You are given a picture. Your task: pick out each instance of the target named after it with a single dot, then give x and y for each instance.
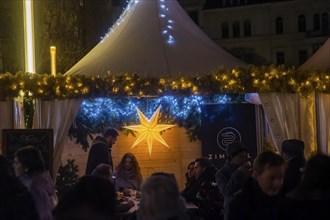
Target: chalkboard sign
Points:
(14, 139)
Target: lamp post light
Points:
(29, 50)
(29, 36)
(53, 60)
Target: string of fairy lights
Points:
(185, 111)
(166, 23)
(179, 107)
(238, 80)
(121, 18)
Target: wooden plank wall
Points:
(172, 160)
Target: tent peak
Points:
(154, 38)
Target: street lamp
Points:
(53, 60)
(29, 36)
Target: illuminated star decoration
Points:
(149, 129)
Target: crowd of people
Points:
(276, 186)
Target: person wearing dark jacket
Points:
(293, 153)
(204, 192)
(232, 177)
(260, 198)
(100, 151)
(190, 174)
(16, 202)
(311, 198)
(92, 198)
(190, 181)
(104, 171)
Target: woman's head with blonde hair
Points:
(161, 199)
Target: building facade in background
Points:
(267, 32)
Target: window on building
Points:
(225, 30)
(279, 25)
(325, 23)
(301, 23)
(316, 22)
(302, 56)
(247, 28)
(280, 58)
(236, 30)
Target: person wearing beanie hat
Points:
(235, 148)
(293, 153)
(293, 147)
(234, 174)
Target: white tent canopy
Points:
(293, 116)
(153, 38)
(320, 59)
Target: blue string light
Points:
(167, 23)
(179, 108)
(185, 111)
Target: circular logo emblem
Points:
(227, 136)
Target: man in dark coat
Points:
(232, 177)
(204, 192)
(261, 197)
(311, 198)
(100, 151)
(293, 153)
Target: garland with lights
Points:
(180, 98)
(97, 114)
(239, 80)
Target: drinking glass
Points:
(133, 193)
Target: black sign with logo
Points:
(223, 124)
(14, 139)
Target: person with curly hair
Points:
(128, 174)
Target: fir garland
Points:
(97, 114)
(239, 80)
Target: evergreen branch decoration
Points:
(67, 177)
(97, 114)
(239, 80)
